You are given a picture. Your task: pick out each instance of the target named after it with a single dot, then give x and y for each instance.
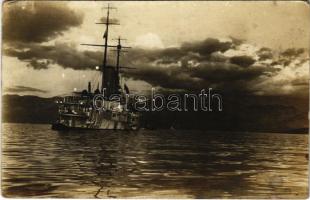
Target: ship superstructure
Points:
(78, 111)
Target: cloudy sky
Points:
(258, 48)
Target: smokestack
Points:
(89, 87)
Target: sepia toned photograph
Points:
(155, 99)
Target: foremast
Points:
(104, 82)
(110, 75)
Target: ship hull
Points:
(63, 127)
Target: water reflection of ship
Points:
(77, 110)
(110, 164)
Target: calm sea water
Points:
(39, 162)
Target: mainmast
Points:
(119, 47)
(118, 50)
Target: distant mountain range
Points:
(268, 114)
(28, 109)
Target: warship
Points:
(79, 110)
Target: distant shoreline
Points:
(290, 131)
(269, 115)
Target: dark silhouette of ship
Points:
(79, 112)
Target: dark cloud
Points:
(194, 66)
(227, 77)
(207, 46)
(287, 56)
(21, 89)
(237, 41)
(162, 56)
(37, 21)
(217, 57)
(38, 64)
(265, 53)
(169, 78)
(244, 61)
(228, 72)
(293, 52)
(65, 55)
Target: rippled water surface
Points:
(39, 162)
